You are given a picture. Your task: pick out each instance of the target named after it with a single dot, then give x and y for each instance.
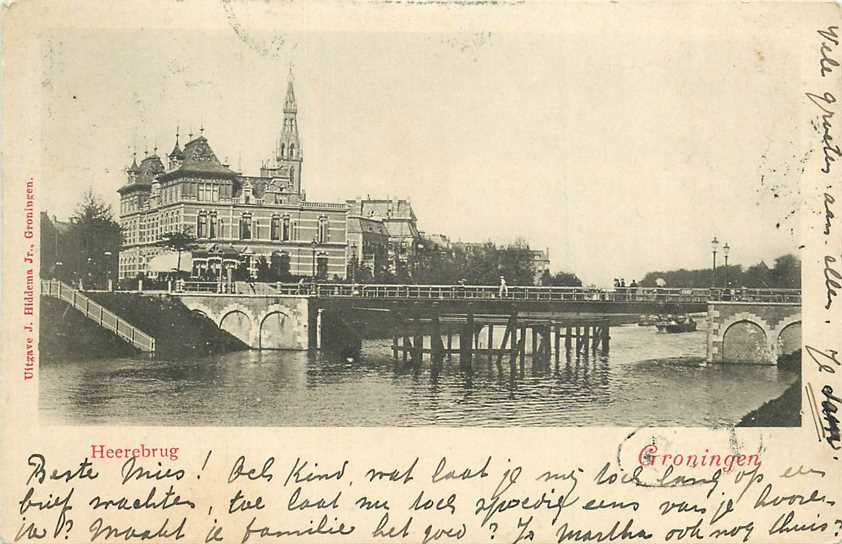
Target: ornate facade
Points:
(236, 219)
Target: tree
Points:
(94, 240)
(786, 274)
(560, 279)
(279, 267)
(178, 241)
(756, 276)
(263, 270)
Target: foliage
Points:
(560, 279)
(785, 274)
(476, 264)
(178, 241)
(87, 250)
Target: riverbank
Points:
(178, 331)
(784, 411)
(65, 333)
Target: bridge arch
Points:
(239, 324)
(745, 341)
(788, 339)
(276, 331)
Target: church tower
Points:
(286, 164)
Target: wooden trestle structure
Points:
(582, 336)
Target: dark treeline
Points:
(483, 264)
(785, 273)
(86, 249)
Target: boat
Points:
(676, 323)
(647, 320)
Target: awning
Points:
(168, 262)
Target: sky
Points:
(622, 146)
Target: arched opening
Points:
(275, 332)
(237, 324)
(789, 340)
(744, 342)
(200, 313)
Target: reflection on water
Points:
(648, 379)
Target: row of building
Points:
(239, 220)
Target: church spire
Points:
(289, 102)
(286, 163)
(289, 147)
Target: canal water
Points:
(649, 378)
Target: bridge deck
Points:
(495, 293)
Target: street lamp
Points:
(107, 255)
(714, 245)
(353, 262)
(725, 249)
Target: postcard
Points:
(420, 271)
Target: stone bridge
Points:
(262, 322)
(752, 332)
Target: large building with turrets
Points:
(239, 222)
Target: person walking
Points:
(504, 289)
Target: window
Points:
(291, 151)
(274, 230)
(285, 234)
(212, 223)
(215, 189)
(245, 227)
(324, 234)
(283, 151)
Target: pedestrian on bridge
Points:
(504, 289)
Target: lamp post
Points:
(353, 262)
(714, 245)
(725, 249)
(107, 255)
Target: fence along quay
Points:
(99, 315)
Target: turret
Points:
(176, 156)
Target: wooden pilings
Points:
(538, 336)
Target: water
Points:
(648, 379)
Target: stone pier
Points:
(752, 332)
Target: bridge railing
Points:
(98, 314)
(515, 293)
